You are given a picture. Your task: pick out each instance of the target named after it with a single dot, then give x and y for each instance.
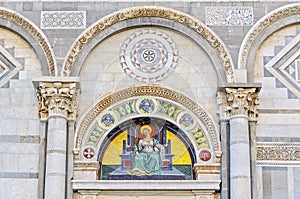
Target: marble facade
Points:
(218, 81)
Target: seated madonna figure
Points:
(146, 155)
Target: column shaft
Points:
(240, 179)
(55, 181)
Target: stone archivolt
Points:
(146, 11)
(260, 26)
(146, 91)
(239, 101)
(57, 99)
(35, 33)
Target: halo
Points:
(146, 127)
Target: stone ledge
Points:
(146, 185)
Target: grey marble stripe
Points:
(33, 139)
(18, 175)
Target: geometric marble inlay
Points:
(63, 19)
(9, 66)
(284, 65)
(229, 16)
(148, 56)
(297, 63)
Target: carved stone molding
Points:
(57, 98)
(239, 101)
(35, 32)
(207, 169)
(151, 90)
(278, 153)
(261, 25)
(149, 11)
(81, 165)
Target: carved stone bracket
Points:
(57, 98)
(238, 101)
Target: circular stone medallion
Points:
(148, 56)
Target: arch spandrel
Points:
(130, 103)
(154, 12)
(30, 28)
(274, 20)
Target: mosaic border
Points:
(63, 19)
(228, 16)
(156, 91)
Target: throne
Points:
(129, 144)
(169, 172)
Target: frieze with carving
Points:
(278, 152)
(57, 98)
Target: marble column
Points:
(57, 101)
(240, 104)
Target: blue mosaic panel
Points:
(63, 19)
(229, 16)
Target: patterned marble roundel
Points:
(148, 56)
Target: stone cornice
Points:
(238, 101)
(57, 98)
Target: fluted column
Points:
(240, 105)
(57, 101)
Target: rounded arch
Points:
(139, 121)
(128, 103)
(271, 22)
(126, 18)
(18, 23)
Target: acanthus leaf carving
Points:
(238, 101)
(57, 98)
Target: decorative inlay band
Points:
(148, 11)
(229, 16)
(148, 56)
(278, 153)
(35, 33)
(261, 25)
(63, 19)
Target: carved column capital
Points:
(238, 101)
(57, 98)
